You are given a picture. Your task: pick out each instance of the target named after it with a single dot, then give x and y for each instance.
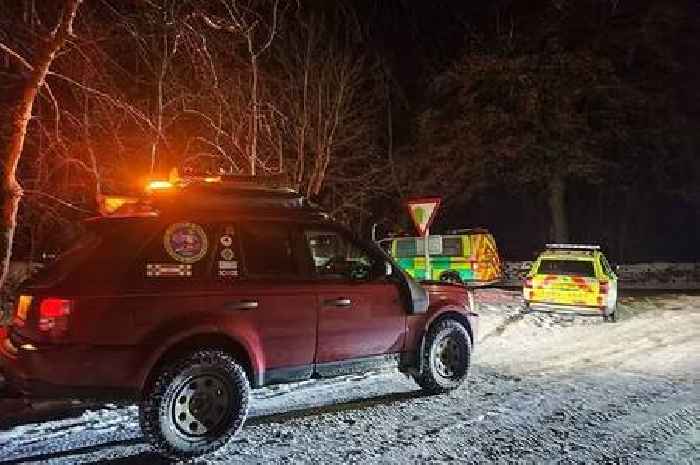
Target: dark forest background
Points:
(540, 120)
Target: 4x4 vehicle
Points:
(215, 288)
(572, 278)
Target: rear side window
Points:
(415, 247)
(69, 260)
(567, 267)
(452, 246)
(268, 249)
(180, 252)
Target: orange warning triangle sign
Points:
(422, 211)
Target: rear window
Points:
(567, 267)
(68, 260)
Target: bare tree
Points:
(14, 135)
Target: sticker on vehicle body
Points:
(185, 242)
(228, 273)
(228, 264)
(165, 270)
(227, 254)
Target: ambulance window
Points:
(406, 248)
(452, 246)
(268, 249)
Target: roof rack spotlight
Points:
(573, 246)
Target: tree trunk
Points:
(557, 209)
(12, 146)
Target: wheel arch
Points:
(436, 319)
(202, 340)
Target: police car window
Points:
(567, 267)
(335, 257)
(267, 249)
(606, 266)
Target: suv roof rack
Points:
(572, 247)
(213, 194)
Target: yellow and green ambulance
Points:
(572, 278)
(466, 256)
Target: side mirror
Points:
(388, 269)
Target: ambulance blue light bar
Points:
(573, 247)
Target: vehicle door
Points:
(286, 312)
(361, 314)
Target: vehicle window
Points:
(452, 246)
(267, 249)
(178, 253)
(415, 247)
(335, 257)
(606, 266)
(69, 259)
(406, 248)
(567, 267)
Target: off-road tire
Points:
(431, 378)
(157, 409)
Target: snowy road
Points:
(543, 390)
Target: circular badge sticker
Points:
(226, 240)
(185, 242)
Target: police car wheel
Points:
(195, 405)
(446, 358)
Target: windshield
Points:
(567, 267)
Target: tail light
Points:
(54, 314)
(528, 283)
(603, 287)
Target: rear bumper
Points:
(584, 310)
(58, 371)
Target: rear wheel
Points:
(195, 405)
(446, 358)
(451, 277)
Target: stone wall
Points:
(658, 275)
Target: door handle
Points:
(241, 305)
(341, 302)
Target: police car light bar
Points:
(573, 246)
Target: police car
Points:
(572, 278)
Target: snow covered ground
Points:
(544, 389)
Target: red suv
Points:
(214, 289)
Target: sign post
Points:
(422, 211)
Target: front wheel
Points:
(446, 358)
(195, 405)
